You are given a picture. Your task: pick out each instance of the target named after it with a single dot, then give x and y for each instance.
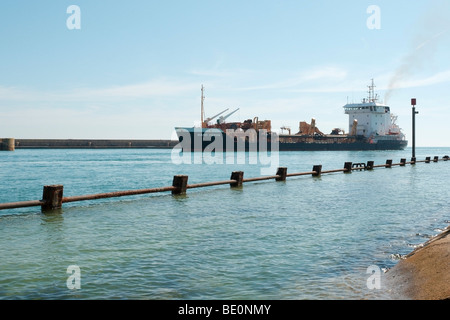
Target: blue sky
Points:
(135, 68)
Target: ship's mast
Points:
(372, 97)
(203, 110)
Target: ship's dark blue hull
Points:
(350, 146)
(216, 140)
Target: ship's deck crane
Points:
(213, 117)
(285, 128)
(223, 118)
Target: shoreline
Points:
(424, 274)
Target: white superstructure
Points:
(373, 119)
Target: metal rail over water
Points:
(53, 198)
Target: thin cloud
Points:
(222, 73)
(213, 73)
(431, 39)
(155, 88)
(327, 73)
(319, 74)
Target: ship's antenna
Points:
(203, 110)
(372, 97)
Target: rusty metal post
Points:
(317, 169)
(402, 162)
(413, 160)
(389, 163)
(369, 165)
(180, 184)
(239, 177)
(348, 167)
(427, 159)
(52, 197)
(281, 173)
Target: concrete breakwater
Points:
(91, 144)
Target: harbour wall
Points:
(92, 144)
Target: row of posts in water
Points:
(52, 197)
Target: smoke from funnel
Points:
(432, 28)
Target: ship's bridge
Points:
(372, 107)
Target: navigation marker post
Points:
(414, 112)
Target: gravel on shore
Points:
(424, 274)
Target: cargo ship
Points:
(372, 126)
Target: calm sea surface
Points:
(306, 238)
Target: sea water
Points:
(305, 238)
